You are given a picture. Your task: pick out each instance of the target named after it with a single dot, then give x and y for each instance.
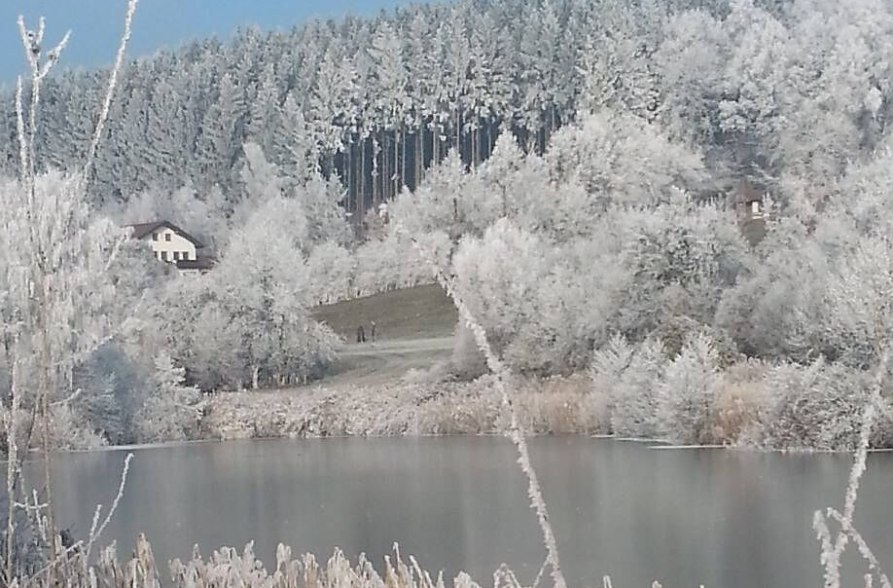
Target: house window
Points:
(164, 255)
(154, 236)
(176, 256)
(167, 236)
(185, 255)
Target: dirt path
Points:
(398, 347)
(369, 363)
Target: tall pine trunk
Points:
(384, 178)
(458, 144)
(348, 173)
(376, 171)
(396, 175)
(403, 157)
(551, 127)
(361, 201)
(361, 193)
(435, 146)
(474, 146)
(420, 155)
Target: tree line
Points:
(376, 102)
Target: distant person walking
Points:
(372, 332)
(361, 334)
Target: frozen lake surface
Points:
(721, 518)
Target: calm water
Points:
(719, 518)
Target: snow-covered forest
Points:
(376, 101)
(578, 177)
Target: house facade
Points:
(172, 244)
(752, 215)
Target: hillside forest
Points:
(688, 201)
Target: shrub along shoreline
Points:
(748, 404)
(632, 391)
(556, 405)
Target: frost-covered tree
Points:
(622, 159)
(617, 59)
(616, 253)
(860, 309)
(681, 257)
(776, 311)
(395, 262)
(265, 110)
(838, 80)
(253, 327)
(513, 285)
(627, 380)
(435, 207)
(818, 285)
(112, 389)
(171, 410)
(328, 112)
(217, 148)
(260, 178)
(686, 397)
(293, 143)
(817, 406)
(331, 269)
(326, 220)
(58, 303)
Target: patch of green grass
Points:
(420, 312)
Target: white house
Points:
(172, 244)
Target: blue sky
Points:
(96, 24)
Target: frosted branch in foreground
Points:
(94, 532)
(110, 93)
(833, 551)
(502, 373)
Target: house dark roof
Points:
(201, 264)
(141, 230)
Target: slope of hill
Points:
(414, 330)
(422, 312)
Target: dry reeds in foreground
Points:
(228, 568)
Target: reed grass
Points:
(229, 568)
(557, 405)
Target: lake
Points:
(721, 518)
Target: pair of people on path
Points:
(361, 333)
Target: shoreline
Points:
(654, 444)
